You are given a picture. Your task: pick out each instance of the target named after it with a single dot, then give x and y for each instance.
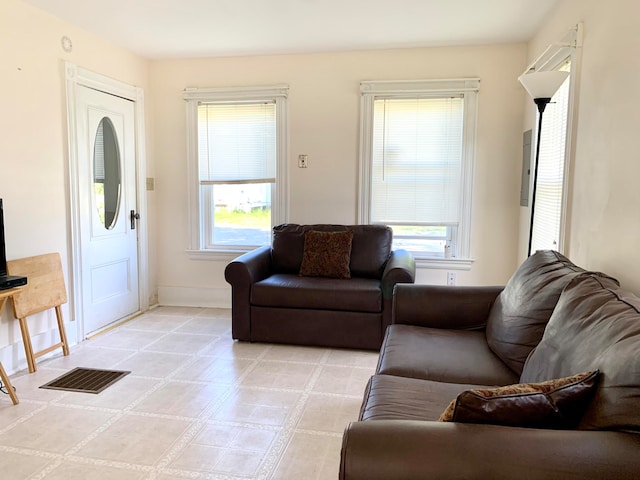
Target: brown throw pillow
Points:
(326, 254)
(555, 404)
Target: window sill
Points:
(216, 255)
(444, 263)
(421, 262)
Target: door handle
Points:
(133, 216)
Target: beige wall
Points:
(324, 123)
(33, 145)
(604, 223)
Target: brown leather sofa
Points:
(551, 320)
(272, 302)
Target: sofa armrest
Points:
(400, 268)
(241, 274)
(439, 306)
(415, 450)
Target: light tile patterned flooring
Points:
(196, 405)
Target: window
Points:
(237, 163)
(416, 162)
(550, 191)
(555, 147)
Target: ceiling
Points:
(207, 28)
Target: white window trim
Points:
(280, 212)
(469, 87)
(551, 59)
(567, 151)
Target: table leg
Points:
(8, 386)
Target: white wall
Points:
(324, 123)
(604, 218)
(33, 146)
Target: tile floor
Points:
(196, 405)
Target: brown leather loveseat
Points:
(273, 302)
(568, 339)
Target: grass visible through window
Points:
(256, 218)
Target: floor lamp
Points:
(541, 86)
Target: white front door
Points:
(108, 227)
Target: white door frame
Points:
(76, 76)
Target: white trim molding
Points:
(555, 53)
(466, 87)
(194, 297)
(235, 93)
(76, 76)
(445, 263)
(280, 213)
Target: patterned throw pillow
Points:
(326, 254)
(553, 404)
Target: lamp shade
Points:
(542, 84)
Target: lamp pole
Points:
(541, 103)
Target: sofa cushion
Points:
(326, 254)
(595, 326)
(453, 356)
(292, 291)
(396, 398)
(519, 315)
(557, 403)
(370, 248)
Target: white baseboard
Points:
(13, 357)
(194, 297)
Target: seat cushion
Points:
(595, 326)
(398, 398)
(519, 315)
(292, 291)
(452, 356)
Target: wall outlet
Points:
(303, 161)
(451, 278)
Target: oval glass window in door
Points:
(106, 173)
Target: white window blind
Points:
(417, 160)
(551, 170)
(98, 155)
(237, 143)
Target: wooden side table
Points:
(4, 295)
